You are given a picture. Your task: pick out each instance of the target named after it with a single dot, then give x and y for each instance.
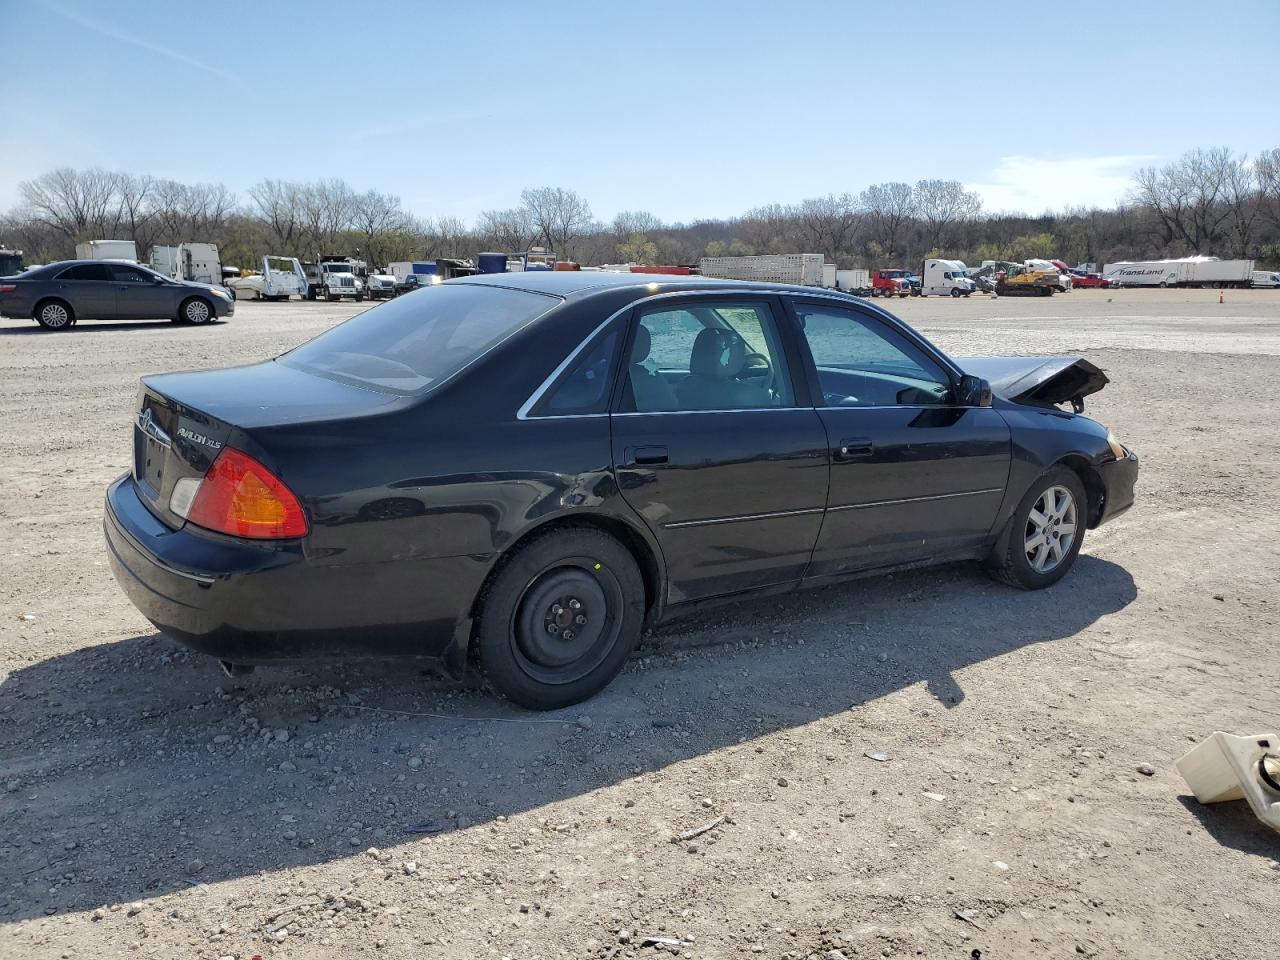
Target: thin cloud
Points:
(1035, 185)
(142, 44)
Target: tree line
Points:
(1209, 201)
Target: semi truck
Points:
(335, 277)
(946, 278)
(10, 262)
(800, 268)
(892, 282)
(1181, 272)
(107, 250)
(188, 261)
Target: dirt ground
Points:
(152, 807)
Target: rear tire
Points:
(1043, 537)
(560, 618)
(197, 310)
(55, 314)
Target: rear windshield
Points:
(415, 342)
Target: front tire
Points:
(955, 292)
(196, 310)
(1043, 537)
(55, 315)
(560, 618)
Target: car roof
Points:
(573, 283)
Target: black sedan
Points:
(59, 294)
(537, 465)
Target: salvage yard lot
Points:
(325, 811)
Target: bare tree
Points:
(76, 203)
(375, 216)
(940, 203)
(889, 208)
(279, 207)
(511, 231)
(1266, 172)
(629, 222)
(560, 216)
(829, 224)
(445, 237)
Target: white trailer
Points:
(188, 261)
(1180, 272)
(853, 281)
(402, 268)
(801, 268)
(280, 279)
(946, 278)
(107, 250)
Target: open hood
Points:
(1042, 381)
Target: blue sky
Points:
(688, 110)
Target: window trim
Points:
(561, 373)
(797, 352)
(881, 319)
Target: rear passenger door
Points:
(139, 296)
(88, 288)
(716, 447)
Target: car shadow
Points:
(127, 762)
(1233, 824)
(104, 326)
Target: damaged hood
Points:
(1038, 380)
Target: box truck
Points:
(800, 268)
(107, 250)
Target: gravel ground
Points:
(152, 807)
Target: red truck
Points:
(890, 283)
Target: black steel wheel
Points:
(560, 618)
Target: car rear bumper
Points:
(1118, 480)
(259, 603)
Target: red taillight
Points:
(241, 497)
(8, 287)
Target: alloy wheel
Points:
(55, 316)
(1051, 529)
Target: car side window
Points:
(122, 274)
(86, 271)
(584, 388)
(712, 355)
(863, 363)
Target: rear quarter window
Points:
(412, 344)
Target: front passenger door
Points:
(714, 448)
(914, 476)
(139, 296)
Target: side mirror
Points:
(157, 280)
(974, 392)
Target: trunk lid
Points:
(185, 419)
(1038, 381)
